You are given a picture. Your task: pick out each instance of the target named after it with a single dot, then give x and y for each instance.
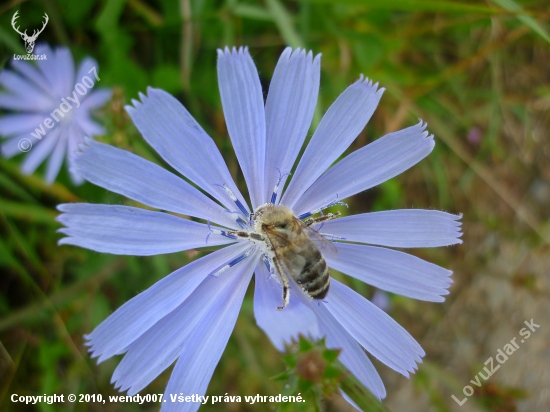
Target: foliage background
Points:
(477, 72)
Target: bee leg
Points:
(332, 237)
(319, 210)
(234, 234)
(286, 298)
(276, 189)
(330, 216)
(230, 235)
(284, 281)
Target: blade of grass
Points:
(56, 190)
(416, 5)
(251, 11)
(529, 21)
(283, 21)
(31, 213)
(56, 300)
(147, 12)
(10, 186)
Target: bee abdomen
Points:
(315, 279)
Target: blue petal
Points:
(216, 297)
(96, 99)
(289, 110)
(169, 128)
(243, 108)
(203, 351)
(56, 158)
(369, 166)
(116, 333)
(337, 337)
(17, 124)
(40, 151)
(65, 71)
(339, 127)
(76, 137)
(352, 356)
(87, 67)
(124, 230)
(11, 146)
(139, 179)
(58, 69)
(393, 271)
(24, 103)
(398, 228)
(373, 329)
(26, 90)
(87, 126)
(33, 75)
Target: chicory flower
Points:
(51, 107)
(188, 316)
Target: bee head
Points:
(273, 217)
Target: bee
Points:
(293, 248)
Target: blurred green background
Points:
(477, 71)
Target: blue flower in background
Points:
(52, 105)
(188, 316)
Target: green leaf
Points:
(304, 345)
(331, 355)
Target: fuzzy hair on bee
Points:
(292, 248)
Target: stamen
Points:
(234, 198)
(218, 232)
(276, 189)
(268, 266)
(209, 228)
(233, 262)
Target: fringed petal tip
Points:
(95, 354)
(368, 83)
(90, 347)
(423, 132)
(226, 51)
(63, 240)
(299, 53)
(63, 207)
(137, 104)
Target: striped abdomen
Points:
(308, 268)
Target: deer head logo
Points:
(29, 40)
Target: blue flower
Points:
(188, 316)
(53, 105)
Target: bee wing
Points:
(278, 241)
(325, 246)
